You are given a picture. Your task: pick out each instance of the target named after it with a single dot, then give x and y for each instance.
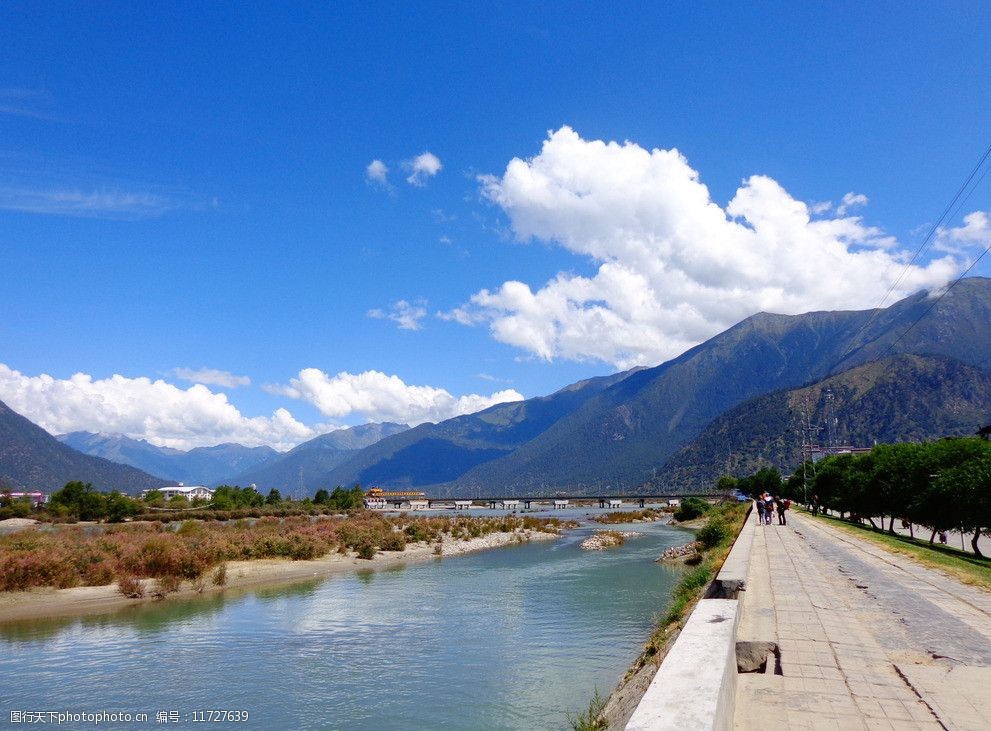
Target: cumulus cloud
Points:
(211, 377)
(674, 267)
(377, 172)
(380, 397)
(975, 232)
(421, 168)
(851, 200)
(160, 412)
(405, 314)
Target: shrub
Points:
(165, 585)
(393, 542)
(714, 532)
(366, 551)
(131, 587)
(691, 508)
(220, 575)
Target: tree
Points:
(726, 484)
(322, 497)
(119, 507)
(274, 497)
(81, 500)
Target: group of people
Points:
(767, 505)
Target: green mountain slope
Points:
(903, 398)
(435, 453)
(618, 438)
(31, 458)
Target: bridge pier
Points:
(492, 504)
(526, 504)
(642, 502)
(602, 502)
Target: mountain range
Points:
(303, 470)
(614, 432)
(32, 459)
(198, 466)
(633, 428)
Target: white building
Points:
(187, 491)
(419, 504)
(462, 504)
(510, 504)
(560, 503)
(615, 503)
(674, 502)
(375, 503)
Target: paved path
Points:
(868, 639)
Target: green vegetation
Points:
(628, 516)
(940, 485)
(691, 508)
(936, 397)
(966, 567)
(591, 718)
(717, 536)
(72, 556)
(714, 532)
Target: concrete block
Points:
(695, 687)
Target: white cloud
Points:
(850, 200)
(160, 412)
(211, 377)
(85, 203)
(380, 397)
(405, 314)
(421, 168)
(674, 267)
(377, 172)
(976, 232)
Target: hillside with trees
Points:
(905, 398)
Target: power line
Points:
(945, 292)
(955, 204)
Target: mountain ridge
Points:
(32, 459)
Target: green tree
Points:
(119, 507)
(322, 497)
(274, 497)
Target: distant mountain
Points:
(312, 461)
(198, 466)
(31, 458)
(437, 453)
(614, 433)
(899, 399)
(620, 436)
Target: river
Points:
(511, 638)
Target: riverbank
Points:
(49, 602)
(695, 582)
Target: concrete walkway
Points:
(867, 639)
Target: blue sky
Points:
(185, 187)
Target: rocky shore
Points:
(607, 539)
(676, 553)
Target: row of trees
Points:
(943, 485)
(82, 501)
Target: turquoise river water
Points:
(511, 638)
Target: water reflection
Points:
(525, 633)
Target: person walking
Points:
(760, 509)
(769, 509)
(782, 505)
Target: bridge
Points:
(559, 500)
